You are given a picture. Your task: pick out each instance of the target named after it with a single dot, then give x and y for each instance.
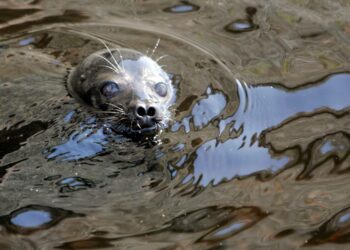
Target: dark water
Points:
(257, 154)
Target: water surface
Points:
(257, 154)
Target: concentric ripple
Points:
(256, 154)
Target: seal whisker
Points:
(109, 67)
(118, 107)
(121, 59)
(155, 47)
(120, 119)
(110, 63)
(111, 113)
(138, 125)
(114, 114)
(161, 57)
(114, 105)
(110, 52)
(106, 112)
(131, 123)
(116, 119)
(171, 110)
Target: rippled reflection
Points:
(336, 230)
(34, 217)
(243, 25)
(212, 223)
(268, 106)
(67, 16)
(204, 111)
(184, 7)
(217, 223)
(223, 129)
(331, 147)
(75, 183)
(15, 137)
(218, 161)
(261, 108)
(80, 145)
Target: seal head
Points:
(127, 87)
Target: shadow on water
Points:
(66, 17)
(15, 137)
(7, 15)
(261, 108)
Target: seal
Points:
(126, 87)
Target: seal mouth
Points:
(127, 130)
(152, 129)
(132, 125)
(137, 128)
(145, 127)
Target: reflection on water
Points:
(334, 230)
(8, 14)
(11, 139)
(219, 161)
(83, 144)
(213, 223)
(333, 147)
(257, 162)
(75, 183)
(34, 217)
(184, 7)
(268, 106)
(66, 16)
(263, 107)
(203, 111)
(243, 25)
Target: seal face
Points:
(127, 87)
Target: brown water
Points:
(257, 155)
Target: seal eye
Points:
(161, 89)
(109, 89)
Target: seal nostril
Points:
(151, 111)
(141, 111)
